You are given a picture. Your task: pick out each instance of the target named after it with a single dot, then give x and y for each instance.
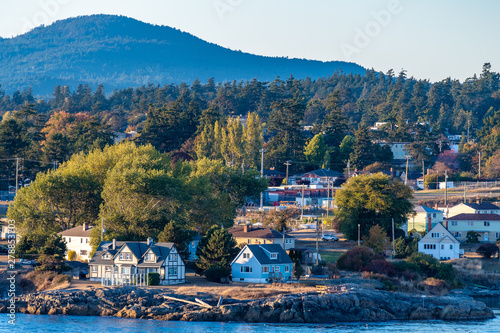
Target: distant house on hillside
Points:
(440, 243)
(262, 264)
(320, 176)
(78, 239)
(250, 235)
(474, 208)
(123, 260)
(425, 219)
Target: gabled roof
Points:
(161, 250)
(264, 233)
(482, 206)
(475, 217)
(425, 209)
(76, 232)
(439, 228)
(261, 253)
(323, 173)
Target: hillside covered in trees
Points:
(201, 120)
(121, 52)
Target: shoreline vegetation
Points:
(356, 304)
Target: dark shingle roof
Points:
(161, 250)
(265, 233)
(323, 173)
(259, 252)
(482, 206)
(476, 217)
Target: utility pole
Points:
(468, 126)
(359, 234)
(348, 168)
(328, 197)
(423, 175)
(317, 237)
(406, 172)
(302, 206)
(287, 163)
(393, 247)
(262, 176)
(17, 173)
(465, 192)
(446, 188)
(479, 164)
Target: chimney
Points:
(150, 241)
(245, 228)
(478, 201)
(113, 247)
(85, 226)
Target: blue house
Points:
(262, 263)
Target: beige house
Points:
(78, 239)
(249, 235)
(424, 220)
(486, 225)
(473, 208)
(125, 260)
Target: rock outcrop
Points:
(352, 306)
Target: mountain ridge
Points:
(121, 52)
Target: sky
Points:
(430, 39)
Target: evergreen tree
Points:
(334, 124)
(315, 151)
(216, 249)
(176, 233)
(253, 139)
(362, 154)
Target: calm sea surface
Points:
(74, 324)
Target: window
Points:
(125, 270)
(288, 241)
(94, 269)
(470, 223)
(434, 215)
(86, 240)
(246, 255)
(429, 246)
(69, 239)
(83, 252)
(125, 256)
(246, 269)
(106, 256)
(442, 246)
(249, 241)
(116, 269)
(277, 269)
(287, 269)
(172, 271)
(149, 257)
(274, 256)
(458, 234)
(265, 269)
(454, 223)
(81, 240)
(108, 269)
(486, 223)
(497, 235)
(172, 257)
(435, 235)
(451, 246)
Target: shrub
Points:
(472, 237)
(357, 258)
(486, 250)
(215, 274)
(426, 263)
(153, 279)
(381, 266)
(71, 255)
(298, 271)
(405, 267)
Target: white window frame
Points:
(172, 271)
(265, 269)
(287, 269)
(277, 269)
(274, 256)
(246, 269)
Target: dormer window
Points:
(274, 256)
(106, 256)
(149, 257)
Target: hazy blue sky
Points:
(431, 39)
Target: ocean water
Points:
(76, 324)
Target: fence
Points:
(476, 185)
(137, 280)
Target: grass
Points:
(240, 292)
(330, 256)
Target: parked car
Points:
(329, 237)
(26, 262)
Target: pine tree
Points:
(362, 154)
(216, 249)
(175, 233)
(253, 137)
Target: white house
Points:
(122, 260)
(440, 243)
(261, 264)
(486, 225)
(424, 219)
(78, 239)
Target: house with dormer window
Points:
(440, 243)
(262, 263)
(127, 259)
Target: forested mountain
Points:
(121, 52)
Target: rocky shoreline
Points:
(358, 305)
